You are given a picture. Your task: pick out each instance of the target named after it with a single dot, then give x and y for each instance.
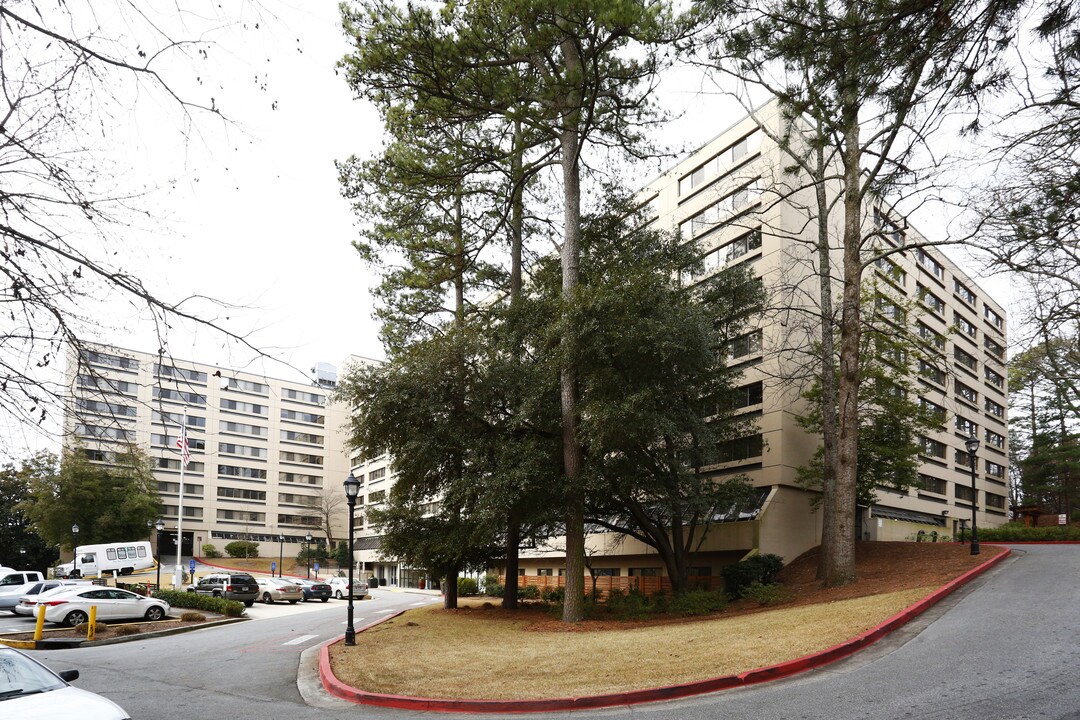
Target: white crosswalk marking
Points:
(301, 639)
(384, 612)
(418, 604)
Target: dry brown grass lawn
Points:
(471, 652)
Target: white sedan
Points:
(72, 607)
(28, 689)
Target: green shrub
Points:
(242, 549)
(221, 606)
(627, 606)
(466, 586)
(1022, 533)
(193, 616)
(760, 569)
(528, 592)
(554, 595)
(210, 550)
(698, 602)
(492, 587)
(772, 594)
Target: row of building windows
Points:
(720, 163)
(720, 211)
(101, 359)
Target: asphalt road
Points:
(1005, 647)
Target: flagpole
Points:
(178, 574)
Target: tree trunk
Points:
(513, 539)
(838, 536)
(450, 589)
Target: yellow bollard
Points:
(93, 622)
(40, 623)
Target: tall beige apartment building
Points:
(736, 200)
(264, 451)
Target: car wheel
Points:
(324, 599)
(217, 594)
(292, 602)
(249, 603)
(337, 594)
(76, 617)
(155, 612)
(267, 599)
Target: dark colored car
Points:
(315, 590)
(231, 586)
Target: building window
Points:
(173, 488)
(961, 457)
(930, 264)
(179, 396)
(890, 270)
(176, 373)
(303, 417)
(994, 378)
(301, 458)
(241, 472)
(376, 497)
(293, 499)
(749, 344)
(994, 408)
(962, 492)
(299, 478)
(242, 429)
(301, 437)
(933, 411)
(992, 438)
(544, 572)
(245, 407)
(241, 494)
(305, 397)
(993, 318)
(744, 244)
(995, 501)
(966, 393)
(241, 516)
(174, 465)
(107, 385)
(966, 427)
(248, 386)
(993, 348)
(931, 373)
(303, 520)
(104, 408)
(169, 441)
(961, 290)
(966, 326)
(244, 450)
(966, 359)
(931, 301)
(376, 475)
(189, 512)
(101, 359)
(889, 309)
(117, 434)
(933, 448)
(719, 163)
(995, 470)
(931, 336)
(741, 448)
(932, 484)
(720, 211)
(643, 572)
(748, 395)
(889, 230)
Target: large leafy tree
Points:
(871, 80)
(20, 546)
(109, 503)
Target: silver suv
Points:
(231, 586)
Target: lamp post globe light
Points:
(307, 553)
(280, 553)
(75, 550)
(352, 489)
(159, 526)
(972, 445)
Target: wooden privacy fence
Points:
(646, 585)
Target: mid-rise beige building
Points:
(266, 453)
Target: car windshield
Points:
(20, 675)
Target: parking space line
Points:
(301, 639)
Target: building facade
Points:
(267, 454)
(737, 200)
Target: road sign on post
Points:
(1062, 520)
(273, 567)
(316, 570)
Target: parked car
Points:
(315, 590)
(274, 589)
(14, 578)
(11, 598)
(340, 586)
(72, 607)
(231, 586)
(28, 689)
(28, 603)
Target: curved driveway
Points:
(1005, 646)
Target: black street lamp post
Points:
(159, 526)
(352, 489)
(307, 553)
(972, 444)
(75, 551)
(281, 554)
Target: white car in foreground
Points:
(72, 607)
(28, 689)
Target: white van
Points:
(108, 558)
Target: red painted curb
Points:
(339, 689)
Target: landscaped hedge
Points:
(759, 569)
(230, 608)
(242, 549)
(1022, 533)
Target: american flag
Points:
(182, 443)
